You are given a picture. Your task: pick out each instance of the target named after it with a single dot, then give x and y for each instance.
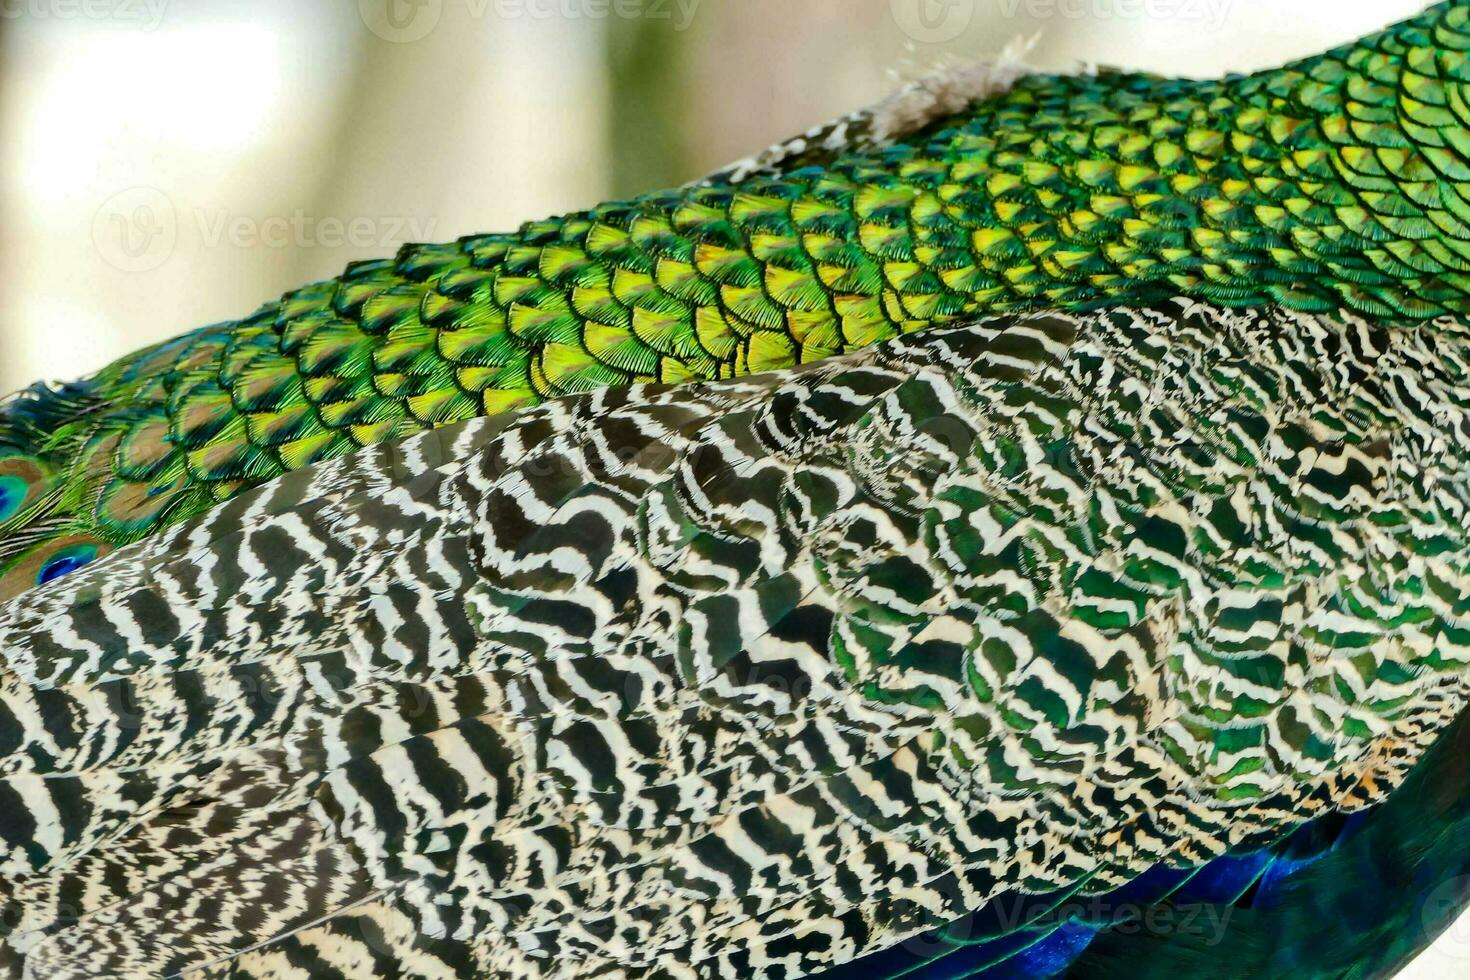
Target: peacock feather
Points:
(1019, 530)
(1341, 181)
(992, 630)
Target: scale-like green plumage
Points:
(1342, 181)
(954, 656)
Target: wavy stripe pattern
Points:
(1338, 181)
(757, 676)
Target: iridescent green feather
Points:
(1341, 181)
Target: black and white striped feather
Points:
(751, 677)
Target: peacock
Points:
(1020, 529)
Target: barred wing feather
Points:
(757, 676)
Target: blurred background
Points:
(167, 163)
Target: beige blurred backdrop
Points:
(167, 163)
